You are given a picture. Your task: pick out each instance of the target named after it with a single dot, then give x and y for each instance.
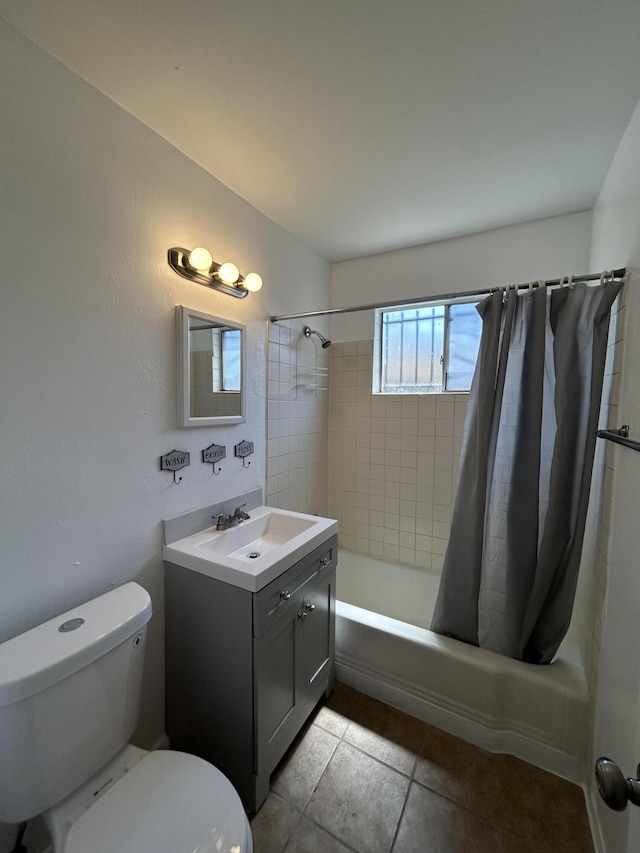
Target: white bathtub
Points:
(537, 713)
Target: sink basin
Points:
(257, 536)
(254, 552)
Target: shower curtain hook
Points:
(570, 283)
(530, 289)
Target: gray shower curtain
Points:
(511, 567)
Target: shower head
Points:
(324, 341)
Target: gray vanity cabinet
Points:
(244, 670)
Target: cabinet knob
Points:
(285, 595)
(308, 608)
(324, 561)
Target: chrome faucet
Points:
(226, 521)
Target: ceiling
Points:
(361, 126)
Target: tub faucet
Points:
(226, 521)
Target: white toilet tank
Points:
(69, 699)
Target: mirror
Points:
(211, 369)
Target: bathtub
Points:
(385, 649)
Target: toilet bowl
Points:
(168, 801)
(161, 801)
(69, 700)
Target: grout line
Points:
(412, 780)
(341, 739)
(303, 813)
(402, 811)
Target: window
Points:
(231, 367)
(426, 348)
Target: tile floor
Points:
(365, 777)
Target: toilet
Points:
(69, 701)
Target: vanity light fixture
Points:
(198, 265)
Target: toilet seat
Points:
(169, 802)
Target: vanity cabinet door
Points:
(276, 690)
(317, 638)
(293, 662)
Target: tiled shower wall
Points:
(393, 463)
(297, 421)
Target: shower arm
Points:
(308, 331)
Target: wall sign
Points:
(214, 453)
(174, 461)
(244, 449)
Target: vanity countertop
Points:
(254, 552)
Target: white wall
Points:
(616, 242)
(90, 202)
(546, 248)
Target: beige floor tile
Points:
(465, 774)
(541, 809)
(335, 714)
(350, 770)
(302, 767)
(359, 800)
(386, 734)
(308, 837)
(273, 824)
(432, 824)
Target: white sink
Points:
(254, 552)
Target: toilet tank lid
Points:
(35, 660)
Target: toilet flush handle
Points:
(614, 789)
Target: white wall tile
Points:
(400, 452)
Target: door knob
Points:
(614, 789)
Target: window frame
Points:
(227, 334)
(377, 373)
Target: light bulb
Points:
(253, 282)
(229, 273)
(200, 259)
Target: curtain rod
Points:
(611, 275)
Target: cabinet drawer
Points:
(286, 592)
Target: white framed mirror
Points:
(211, 369)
